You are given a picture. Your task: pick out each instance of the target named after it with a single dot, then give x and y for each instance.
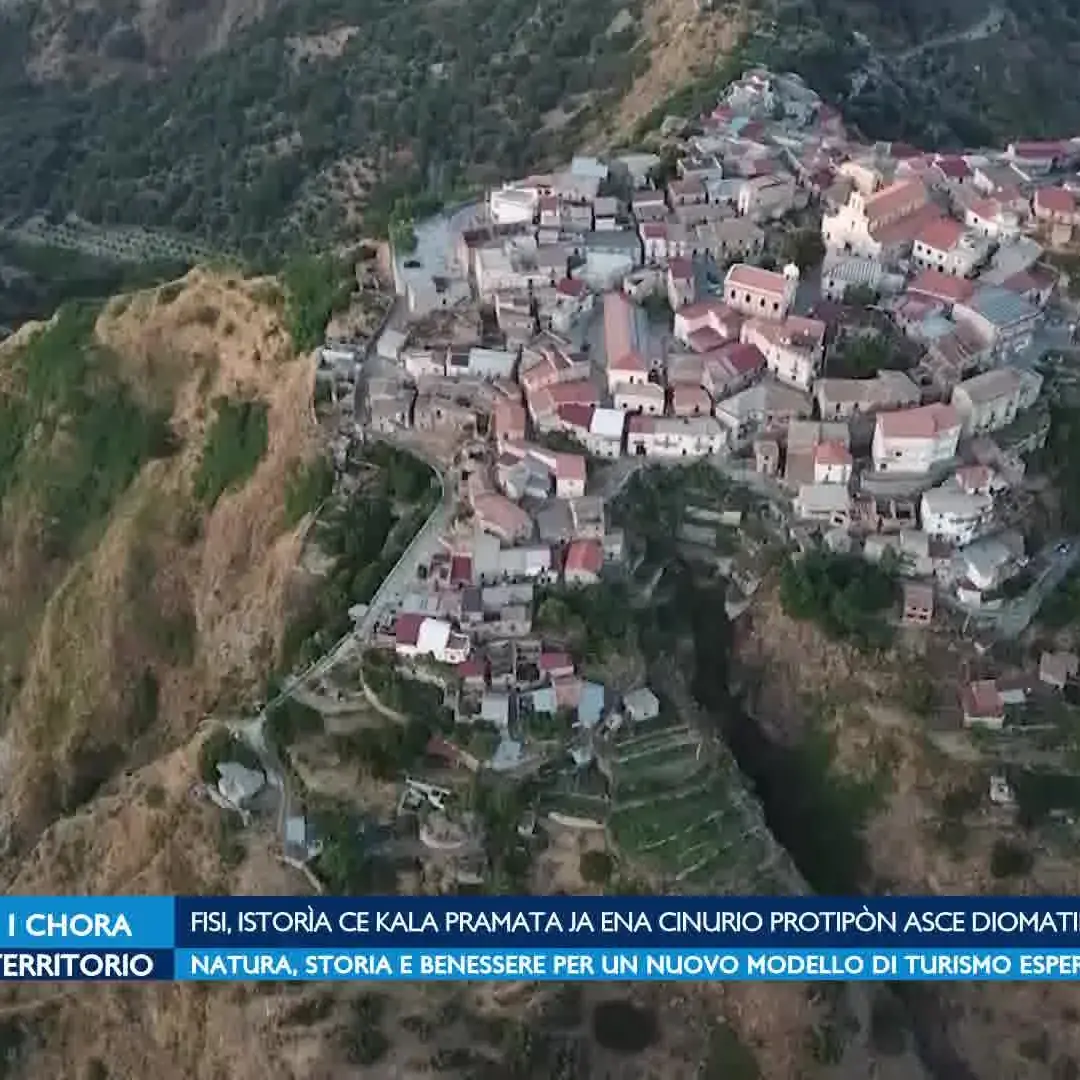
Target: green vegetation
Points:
(47, 278)
(365, 1041)
(70, 429)
(1062, 607)
(804, 248)
(307, 486)
(236, 442)
(591, 622)
(316, 288)
(239, 146)
(888, 1024)
(596, 867)
(1008, 859)
(727, 1057)
(290, 720)
(1058, 459)
(861, 356)
(365, 535)
(1040, 794)
(843, 594)
(221, 746)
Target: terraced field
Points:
(680, 807)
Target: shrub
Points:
(290, 720)
(235, 444)
(1008, 859)
(306, 486)
(843, 594)
(596, 867)
(315, 288)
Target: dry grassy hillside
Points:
(915, 844)
(161, 605)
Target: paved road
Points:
(423, 546)
(987, 26)
(1013, 618)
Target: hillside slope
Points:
(144, 555)
(255, 125)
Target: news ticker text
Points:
(538, 965)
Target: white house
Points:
(829, 504)
(992, 219)
(606, 433)
(419, 635)
(764, 293)
(793, 347)
(915, 441)
(512, 205)
(993, 399)
(674, 436)
(641, 397)
(947, 513)
(947, 246)
(832, 462)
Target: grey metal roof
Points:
(1000, 306)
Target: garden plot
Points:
(678, 808)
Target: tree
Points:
(596, 867)
(804, 248)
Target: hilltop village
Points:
(832, 350)
(863, 328)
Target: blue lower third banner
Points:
(86, 965)
(627, 965)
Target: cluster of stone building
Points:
(942, 252)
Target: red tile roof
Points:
(942, 286)
(471, 668)
(689, 399)
(631, 361)
(654, 230)
(894, 198)
(985, 208)
(706, 339)
(509, 419)
(461, 570)
(921, 423)
(743, 359)
(906, 229)
(1055, 200)
(954, 168)
(585, 556)
(576, 416)
(681, 269)
(640, 424)
(554, 661)
(1035, 149)
(620, 326)
(572, 287)
(744, 276)
(567, 466)
(981, 699)
(578, 392)
(407, 628)
(832, 452)
(941, 235)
